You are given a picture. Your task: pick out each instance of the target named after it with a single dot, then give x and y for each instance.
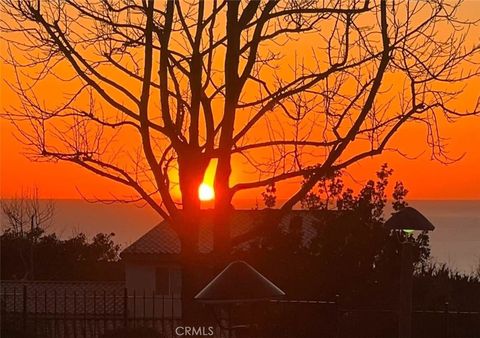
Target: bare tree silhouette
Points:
(26, 216)
(295, 88)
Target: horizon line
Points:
(477, 199)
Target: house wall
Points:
(141, 280)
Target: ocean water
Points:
(455, 241)
(456, 238)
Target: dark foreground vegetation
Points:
(75, 258)
(354, 256)
(30, 252)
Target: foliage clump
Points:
(36, 254)
(352, 253)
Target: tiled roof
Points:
(161, 239)
(245, 225)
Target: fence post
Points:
(144, 308)
(35, 311)
(24, 312)
(163, 314)
(84, 312)
(338, 315)
(75, 314)
(114, 296)
(134, 309)
(65, 300)
(105, 321)
(153, 310)
(95, 315)
(125, 307)
(55, 313)
(14, 299)
(446, 314)
(65, 308)
(4, 303)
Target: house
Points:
(152, 262)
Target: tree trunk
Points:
(192, 168)
(233, 86)
(223, 208)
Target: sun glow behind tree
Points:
(206, 192)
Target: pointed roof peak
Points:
(239, 282)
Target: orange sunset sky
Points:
(423, 177)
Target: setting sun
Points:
(205, 192)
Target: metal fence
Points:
(90, 313)
(87, 313)
(311, 319)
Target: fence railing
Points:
(88, 313)
(307, 318)
(67, 313)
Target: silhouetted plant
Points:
(75, 258)
(269, 196)
(351, 254)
